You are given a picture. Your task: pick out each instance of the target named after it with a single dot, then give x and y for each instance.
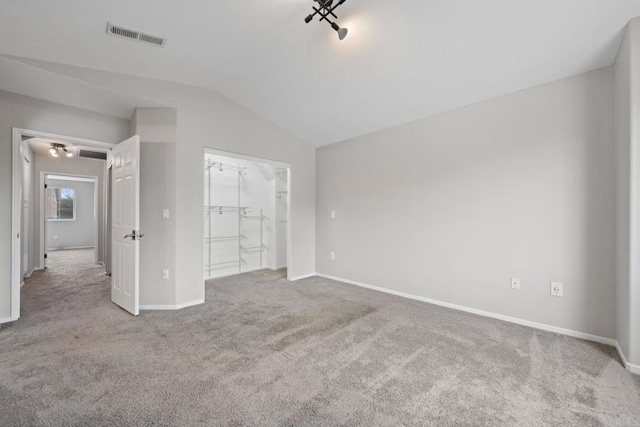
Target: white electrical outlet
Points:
(333, 214)
(165, 274)
(333, 256)
(515, 283)
(556, 289)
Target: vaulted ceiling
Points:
(402, 60)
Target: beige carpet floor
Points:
(266, 352)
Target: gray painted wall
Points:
(157, 130)
(451, 206)
(79, 233)
(627, 138)
(23, 112)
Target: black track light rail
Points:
(324, 17)
(325, 11)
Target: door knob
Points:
(135, 235)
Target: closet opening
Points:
(246, 214)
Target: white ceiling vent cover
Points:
(128, 33)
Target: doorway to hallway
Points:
(69, 213)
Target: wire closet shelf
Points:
(244, 213)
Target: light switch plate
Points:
(165, 213)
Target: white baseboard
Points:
(621, 354)
(536, 325)
(158, 307)
(222, 275)
(70, 248)
(5, 320)
(306, 276)
(28, 275)
(631, 367)
(282, 267)
(172, 306)
(190, 304)
(235, 273)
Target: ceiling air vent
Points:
(93, 154)
(128, 33)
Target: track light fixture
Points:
(325, 11)
(56, 148)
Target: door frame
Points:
(42, 214)
(275, 163)
(18, 134)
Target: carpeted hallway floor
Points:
(263, 351)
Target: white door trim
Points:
(16, 202)
(16, 223)
(43, 221)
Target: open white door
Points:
(125, 214)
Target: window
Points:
(61, 204)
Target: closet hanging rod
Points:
(227, 209)
(259, 248)
(221, 238)
(223, 166)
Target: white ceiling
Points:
(401, 61)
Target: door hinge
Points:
(45, 256)
(45, 186)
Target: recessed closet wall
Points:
(245, 216)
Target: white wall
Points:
(207, 119)
(81, 232)
(23, 112)
(627, 138)
(451, 206)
